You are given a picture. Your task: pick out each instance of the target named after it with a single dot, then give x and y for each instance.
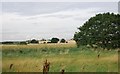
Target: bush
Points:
(62, 41)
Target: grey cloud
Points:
(59, 16)
(35, 8)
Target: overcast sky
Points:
(27, 20)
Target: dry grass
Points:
(36, 65)
(72, 61)
(38, 46)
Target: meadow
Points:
(30, 58)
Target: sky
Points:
(28, 20)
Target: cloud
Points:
(15, 25)
(60, 23)
(35, 8)
(43, 20)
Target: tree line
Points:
(34, 41)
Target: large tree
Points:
(54, 40)
(102, 30)
(34, 41)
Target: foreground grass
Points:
(30, 58)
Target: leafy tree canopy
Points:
(102, 30)
(54, 40)
(34, 41)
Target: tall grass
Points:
(30, 58)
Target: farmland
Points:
(30, 58)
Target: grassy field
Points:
(30, 58)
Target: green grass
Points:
(61, 56)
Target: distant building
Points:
(71, 41)
(48, 41)
(44, 42)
